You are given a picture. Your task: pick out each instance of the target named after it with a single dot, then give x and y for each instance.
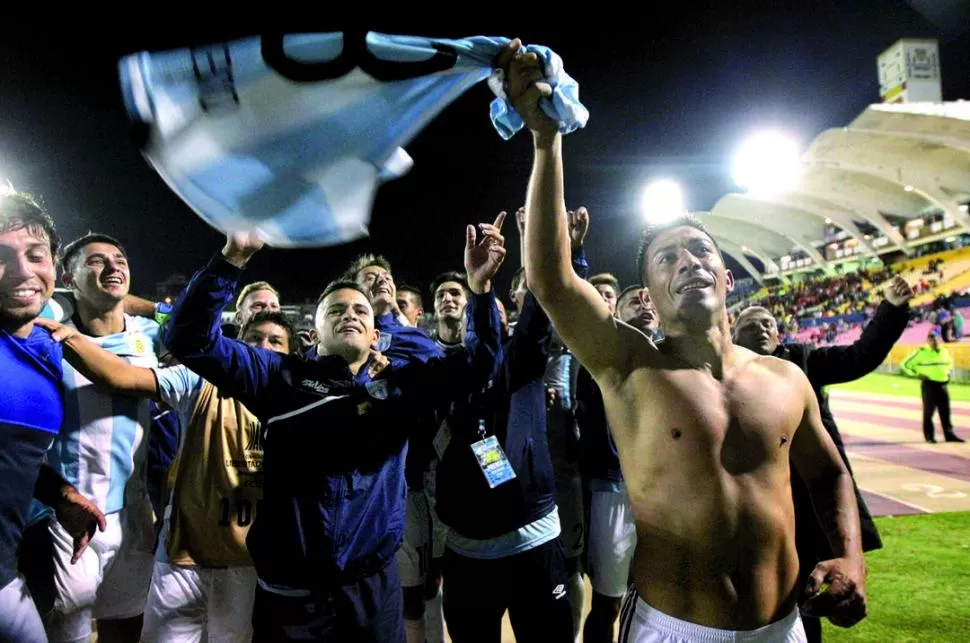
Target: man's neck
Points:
(20, 330)
(354, 362)
(358, 364)
(710, 347)
(100, 323)
(449, 331)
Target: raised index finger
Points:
(499, 220)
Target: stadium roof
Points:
(893, 163)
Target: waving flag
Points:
(292, 135)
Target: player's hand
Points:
(578, 227)
(551, 397)
(484, 258)
(59, 332)
(80, 518)
(526, 84)
(898, 292)
(378, 363)
(844, 600)
(241, 246)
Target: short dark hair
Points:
(518, 278)
(451, 275)
(19, 210)
(364, 261)
(74, 248)
(414, 290)
(277, 318)
(341, 284)
(654, 230)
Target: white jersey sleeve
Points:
(178, 387)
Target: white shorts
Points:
(415, 552)
(612, 538)
(110, 581)
(640, 623)
(192, 604)
(19, 620)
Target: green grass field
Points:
(919, 583)
(897, 385)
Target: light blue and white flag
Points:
(292, 135)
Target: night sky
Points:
(670, 94)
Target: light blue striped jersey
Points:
(101, 446)
(292, 135)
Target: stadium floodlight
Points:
(767, 163)
(662, 201)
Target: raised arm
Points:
(529, 348)
(578, 313)
(467, 370)
(837, 364)
(194, 331)
(818, 463)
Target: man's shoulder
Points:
(642, 356)
(44, 347)
(777, 367)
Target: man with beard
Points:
(31, 409)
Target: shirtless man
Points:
(703, 428)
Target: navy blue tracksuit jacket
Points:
(334, 491)
(514, 410)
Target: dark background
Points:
(671, 91)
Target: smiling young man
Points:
(332, 516)
(101, 449)
(703, 429)
(31, 409)
(257, 297)
(403, 343)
